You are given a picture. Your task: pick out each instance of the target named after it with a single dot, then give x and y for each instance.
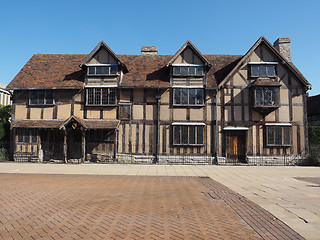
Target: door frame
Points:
(244, 131)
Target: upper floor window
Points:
(278, 135)
(188, 134)
(41, 97)
(266, 96)
(188, 70)
(263, 70)
(124, 111)
(101, 96)
(101, 70)
(188, 96)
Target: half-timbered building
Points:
(183, 108)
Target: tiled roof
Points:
(48, 124)
(51, 70)
(63, 71)
(266, 82)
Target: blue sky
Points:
(215, 27)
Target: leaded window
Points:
(188, 135)
(266, 96)
(39, 97)
(101, 96)
(102, 70)
(27, 135)
(263, 70)
(278, 135)
(188, 96)
(188, 70)
(125, 111)
(100, 135)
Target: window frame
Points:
(266, 65)
(123, 105)
(108, 66)
(102, 96)
(46, 98)
(275, 96)
(186, 139)
(101, 135)
(27, 136)
(275, 135)
(188, 71)
(179, 90)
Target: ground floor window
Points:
(100, 135)
(278, 135)
(27, 135)
(188, 135)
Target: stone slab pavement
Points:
(292, 194)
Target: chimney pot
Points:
(283, 47)
(149, 50)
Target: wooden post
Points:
(65, 145)
(83, 145)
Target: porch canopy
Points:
(61, 124)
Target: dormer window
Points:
(102, 70)
(263, 69)
(188, 70)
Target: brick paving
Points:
(123, 207)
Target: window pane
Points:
(33, 136)
(49, 97)
(267, 97)
(255, 71)
(41, 97)
(20, 135)
(176, 96)
(184, 96)
(286, 135)
(105, 70)
(26, 137)
(105, 96)
(199, 71)
(176, 134)
(97, 96)
(270, 71)
(184, 70)
(184, 134)
(259, 98)
(98, 70)
(90, 94)
(113, 70)
(176, 70)
(192, 96)
(34, 98)
(91, 70)
(112, 96)
(270, 135)
(278, 136)
(192, 70)
(192, 135)
(262, 70)
(199, 134)
(199, 96)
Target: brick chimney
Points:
(283, 46)
(149, 50)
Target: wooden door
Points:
(235, 146)
(74, 144)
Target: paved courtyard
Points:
(127, 207)
(291, 194)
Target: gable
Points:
(188, 56)
(102, 56)
(263, 51)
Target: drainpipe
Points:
(158, 97)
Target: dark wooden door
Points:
(74, 144)
(235, 146)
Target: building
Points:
(5, 97)
(183, 108)
(313, 110)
